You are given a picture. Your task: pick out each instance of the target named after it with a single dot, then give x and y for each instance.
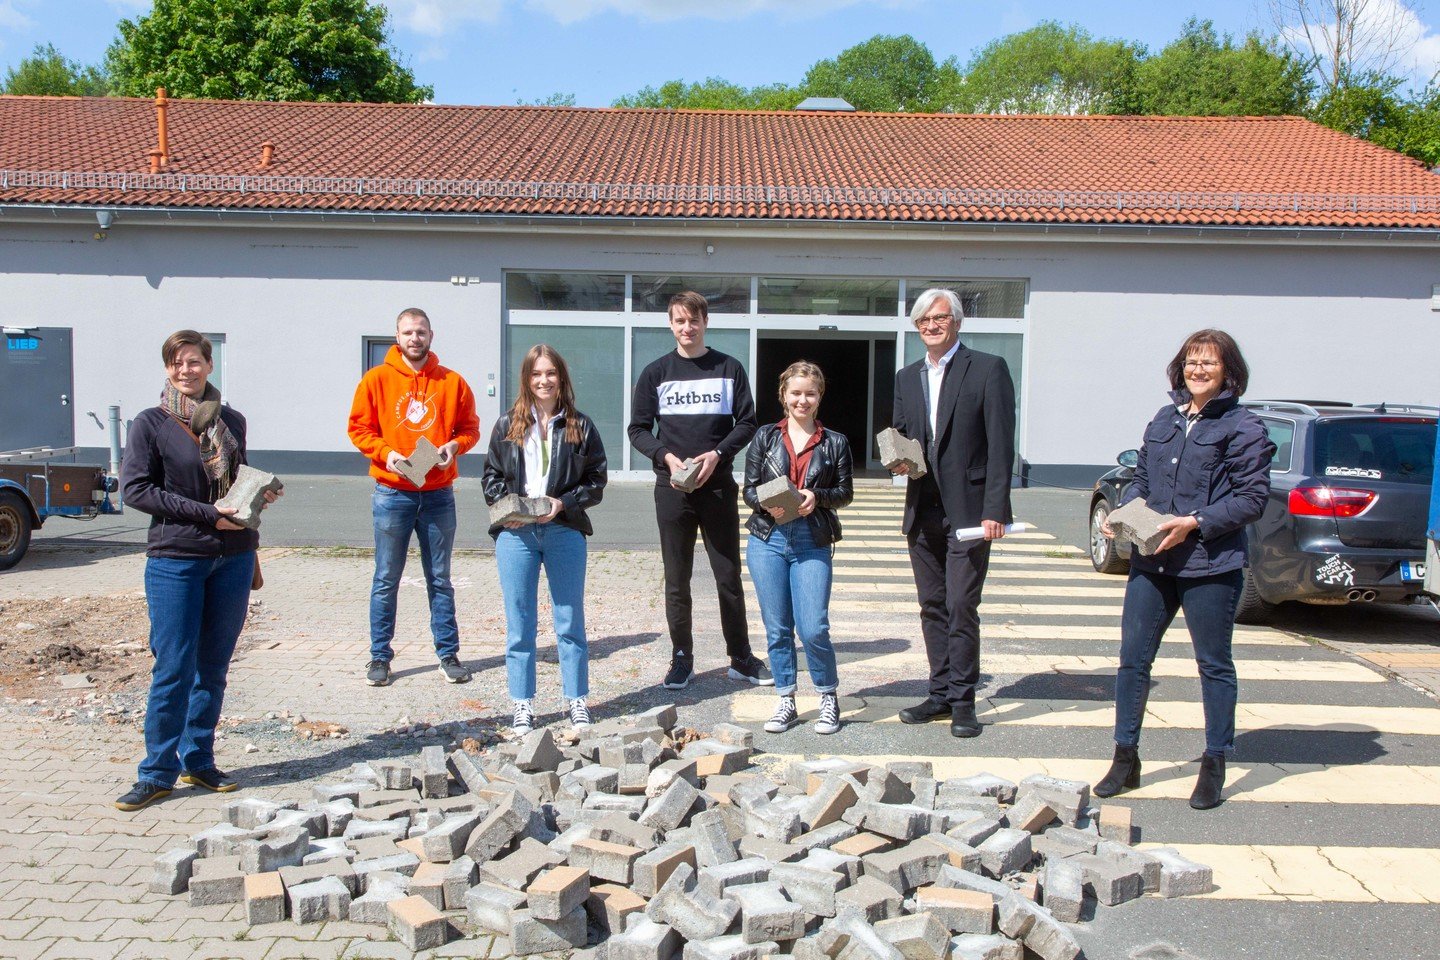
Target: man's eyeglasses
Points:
(1201, 364)
(938, 321)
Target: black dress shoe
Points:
(925, 711)
(963, 722)
(1210, 783)
(1124, 772)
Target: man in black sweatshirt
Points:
(700, 401)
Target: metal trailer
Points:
(34, 488)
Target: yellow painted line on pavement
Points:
(1169, 714)
(1027, 664)
(986, 609)
(845, 550)
(1174, 779)
(1035, 591)
(1002, 546)
(904, 574)
(1318, 874)
(1257, 636)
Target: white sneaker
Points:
(524, 720)
(579, 713)
(829, 721)
(785, 715)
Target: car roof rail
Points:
(1386, 407)
(1286, 406)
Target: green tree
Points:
(1050, 68)
(712, 93)
(1200, 74)
(46, 73)
(884, 73)
(329, 50)
(1372, 108)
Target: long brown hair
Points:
(521, 419)
(1237, 371)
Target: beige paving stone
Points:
(42, 907)
(477, 947)
(293, 948)
(116, 910)
(24, 949)
(70, 949)
(383, 950)
(72, 929)
(139, 928)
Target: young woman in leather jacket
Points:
(1206, 462)
(546, 448)
(790, 560)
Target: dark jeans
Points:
(714, 512)
(1151, 601)
(430, 516)
(197, 609)
(949, 576)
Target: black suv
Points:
(1345, 523)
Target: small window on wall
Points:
(652, 293)
(565, 291)
(829, 296)
(217, 357)
(374, 350)
(981, 298)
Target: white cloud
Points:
(1387, 35)
(11, 18)
(436, 18)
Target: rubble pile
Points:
(656, 842)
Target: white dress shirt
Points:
(537, 453)
(936, 373)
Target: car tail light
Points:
(1330, 502)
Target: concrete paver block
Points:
(416, 923)
(1140, 525)
(491, 907)
(894, 820)
(338, 867)
(1040, 932)
(644, 940)
(513, 508)
(714, 880)
(1070, 798)
(522, 865)
(434, 778)
(653, 868)
(711, 839)
(264, 899)
(959, 911)
(959, 879)
(906, 868)
(610, 904)
(1064, 890)
(691, 911)
(1180, 877)
(995, 946)
(319, 901)
(448, 840)
(873, 900)
(1005, 851)
(919, 936)
(1116, 823)
(558, 892)
(896, 449)
(247, 495)
(247, 813)
(272, 853)
(605, 860)
(429, 883)
(828, 804)
(1110, 881)
(728, 948)
(537, 749)
(510, 816)
(529, 934)
(685, 479)
(1031, 813)
(384, 889)
(957, 854)
(172, 872)
(669, 810)
(975, 831)
(810, 885)
(862, 844)
(216, 880)
(415, 466)
(780, 492)
(766, 913)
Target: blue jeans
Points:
(197, 609)
(792, 582)
(519, 554)
(430, 514)
(1151, 602)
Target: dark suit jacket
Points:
(971, 458)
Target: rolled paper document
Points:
(978, 533)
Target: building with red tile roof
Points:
(1085, 248)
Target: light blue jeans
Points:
(197, 609)
(430, 515)
(792, 582)
(520, 554)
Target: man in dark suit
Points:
(960, 404)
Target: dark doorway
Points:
(36, 389)
(846, 364)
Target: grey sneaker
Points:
(829, 719)
(579, 713)
(752, 670)
(785, 715)
(454, 671)
(524, 720)
(378, 673)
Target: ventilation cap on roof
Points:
(835, 104)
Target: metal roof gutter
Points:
(682, 226)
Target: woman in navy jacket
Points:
(1206, 461)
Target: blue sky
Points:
(504, 51)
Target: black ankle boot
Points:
(1124, 773)
(1209, 784)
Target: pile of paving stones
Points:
(653, 842)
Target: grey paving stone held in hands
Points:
(781, 493)
(247, 495)
(896, 448)
(684, 478)
(416, 466)
(513, 508)
(1140, 525)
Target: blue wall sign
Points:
(22, 343)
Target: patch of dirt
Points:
(106, 638)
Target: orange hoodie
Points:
(395, 406)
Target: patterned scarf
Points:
(218, 448)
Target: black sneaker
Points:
(784, 717)
(681, 669)
(212, 779)
(378, 673)
(454, 671)
(752, 670)
(142, 795)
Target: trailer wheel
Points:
(14, 529)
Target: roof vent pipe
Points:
(267, 155)
(155, 161)
(161, 121)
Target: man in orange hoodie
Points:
(407, 397)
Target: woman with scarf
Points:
(790, 559)
(180, 458)
(1205, 461)
(544, 448)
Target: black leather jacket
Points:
(829, 476)
(577, 474)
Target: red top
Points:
(799, 463)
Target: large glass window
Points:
(1009, 346)
(595, 357)
(980, 298)
(833, 296)
(565, 291)
(651, 293)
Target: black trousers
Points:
(714, 512)
(949, 576)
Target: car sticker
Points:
(1353, 472)
(1335, 573)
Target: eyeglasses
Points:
(1201, 364)
(938, 321)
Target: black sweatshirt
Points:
(699, 404)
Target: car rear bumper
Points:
(1334, 573)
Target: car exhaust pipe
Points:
(1361, 596)
(1368, 596)
(1353, 596)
